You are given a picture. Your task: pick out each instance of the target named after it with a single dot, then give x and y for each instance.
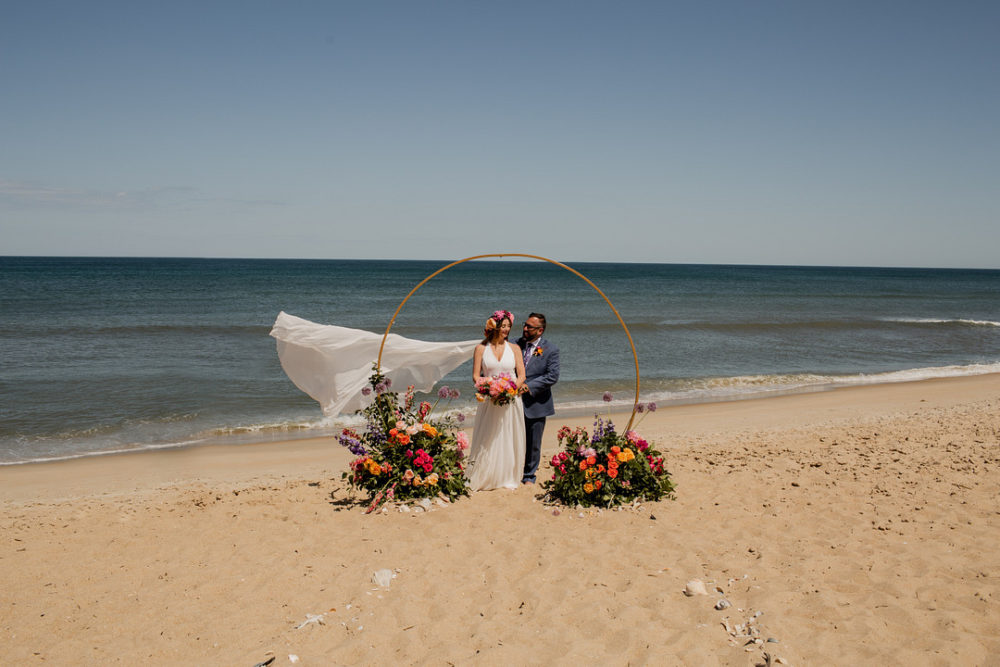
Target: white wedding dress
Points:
(497, 449)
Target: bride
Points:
(497, 449)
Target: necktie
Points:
(527, 352)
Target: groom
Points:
(541, 370)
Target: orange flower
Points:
(591, 460)
(430, 430)
(583, 465)
(615, 449)
(612, 472)
(588, 487)
(598, 484)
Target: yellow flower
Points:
(430, 430)
(432, 478)
(373, 467)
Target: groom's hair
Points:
(539, 316)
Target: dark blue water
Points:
(102, 355)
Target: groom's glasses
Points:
(528, 326)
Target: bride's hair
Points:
(494, 322)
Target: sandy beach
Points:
(856, 526)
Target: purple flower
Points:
(640, 408)
(607, 397)
(460, 417)
(651, 407)
(348, 440)
(366, 391)
(380, 388)
(388, 383)
(454, 393)
(444, 392)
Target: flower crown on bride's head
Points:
(496, 318)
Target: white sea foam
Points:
(106, 452)
(932, 320)
(707, 390)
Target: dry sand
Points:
(863, 524)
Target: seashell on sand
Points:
(695, 587)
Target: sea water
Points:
(103, 355)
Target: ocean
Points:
(103, 355)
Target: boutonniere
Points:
(538, 351)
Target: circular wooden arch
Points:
(635, 357)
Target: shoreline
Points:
(732, 389)
(857, 525)
(174, 465)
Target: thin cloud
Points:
(22, 194)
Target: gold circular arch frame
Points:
(635, 357)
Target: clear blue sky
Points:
(791, 132)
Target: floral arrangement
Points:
(402, 454)
(606, 468)
(501, 389)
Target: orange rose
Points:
(588, 487)
(612, 472)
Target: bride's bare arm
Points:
(477, 363)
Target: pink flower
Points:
(462, 439)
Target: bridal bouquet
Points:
(401, 453)
(501, 389)
(606, 468)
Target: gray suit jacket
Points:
(540, 373)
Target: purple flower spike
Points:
(651, 407)
(607, 397)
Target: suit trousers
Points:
(533, 429)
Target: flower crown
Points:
(496, 318)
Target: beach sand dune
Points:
(858, 526)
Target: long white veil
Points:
(332, 364)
